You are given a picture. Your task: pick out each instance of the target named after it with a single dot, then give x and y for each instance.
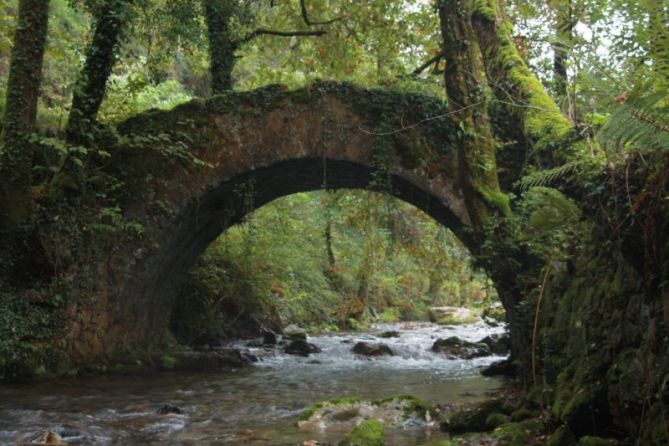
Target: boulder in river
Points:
(451, 316)
(456, 348)
(367, 433)
(294, 333)
(368, 349)
(390, 334)
(169, 409)
(301, 348)
(399, 411)
(45, 438)
(269, 337)
(205, 361)
(500, 368)
(494, 314)
(498, 343)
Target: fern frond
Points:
(547, 177)
(641, 122)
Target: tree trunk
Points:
(100, 59)
(25, 75)
(465, 89)
(221, 45)
(564, 36)
(545, 129)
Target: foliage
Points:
(391, 262)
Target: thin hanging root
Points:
(536, 320)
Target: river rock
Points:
(367, 433)
(294, 333)
(400, 411)
(390, 334)
(454, 348)
(498, 343)
(269, 338)
(451, 315)
(301, 348)
(169, 409)
(494, 313)
(500, 368)
(48, 438)
(205, 361)
(368, 349)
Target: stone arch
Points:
(193, 171)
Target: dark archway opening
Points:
(153, 291)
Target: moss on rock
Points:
(368, 433)
(516, 434)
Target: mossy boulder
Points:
(476, 419)
(561, 437)
(522, 414)
(367, 433)
(494, 312)
(451, 315)
(596, 441)
(454, 348)
(368, 349)
(301, 348)
(498, 343)
(516, 434)
(399, 411)
(495, 420)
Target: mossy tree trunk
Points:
(546, 130)
(110, 20)
(222, 46)
(465, 89)
(25, 75)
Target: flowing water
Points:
(258, 405)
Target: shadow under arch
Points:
(153, 291)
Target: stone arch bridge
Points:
(191, 172)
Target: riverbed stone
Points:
(369, 349)
(390, 334)
(504, 367)
(454, 348)
(169, 409)
(45, 438)
(367, 433)
(451, 315)
(498, 343)
(294, 333)
(301, 347)
(398, 411)
(475, 419)
(269, 337)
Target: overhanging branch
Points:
(305, 17)
(432, 61)
(271, 32)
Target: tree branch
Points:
(426, 65)
(271, 32)
(305, 16)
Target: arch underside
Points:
(156, 286)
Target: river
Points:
(253, 406)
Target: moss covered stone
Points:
(561, 437)
(306, 414)
(516, 434)
(595, 441)
(368, 433)
(475, 419)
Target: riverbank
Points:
(257, 405)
